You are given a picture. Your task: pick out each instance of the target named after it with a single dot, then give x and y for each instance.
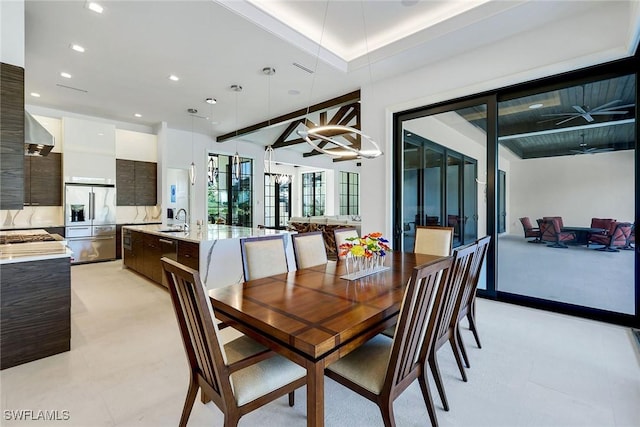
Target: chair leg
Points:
(204, 398)
(463, 350)
(386, 408)
(435, 371)
(231, 420)
(456, 353)
(188, 402)
(471, 317)
(292, 398)
(428, 400)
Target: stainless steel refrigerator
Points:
(90, 221)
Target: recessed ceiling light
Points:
(534, 106)
(65, 75)
(100, 134)
(210, 101)
(77, 48)
(138, 115)
(94, 7)
(174, 78)
(35, 94)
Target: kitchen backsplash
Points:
(53, 216)
(136, 214)
(33, 216)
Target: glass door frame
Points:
(490, 98)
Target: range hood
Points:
(37, 140)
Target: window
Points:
(349, 193)
(229, 200)
(313, 193)
(277, 202)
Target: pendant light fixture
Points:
(235, 161)
(192, 167)
(280, 178)
(327, 133)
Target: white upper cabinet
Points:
(89, 151)
(139, 146)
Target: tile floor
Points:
(127, 368)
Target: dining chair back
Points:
(341, 236)
(309, 249)
(432, 240)
(468, 295)
(447, 325)
(551, 231)
(239, 376)
(530, 230)
(382, 368)
(263, 256)
(618, 237)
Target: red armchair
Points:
(618, 236)
(530, 231)
(551, 231)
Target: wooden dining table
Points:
(314, 317)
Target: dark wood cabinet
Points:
(132, 248)
(125, 183)
(35, 318)
(11, 137)
(146, 183)
(189, 254)
(137, 183)
(43, 180)
(142, 252)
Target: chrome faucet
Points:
(185, 225)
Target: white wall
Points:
(12, 32)
(517, 59)
(577, 188)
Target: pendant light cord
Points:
(315, 68)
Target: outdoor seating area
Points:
(607, 234)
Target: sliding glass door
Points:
(440, 162)
(560, 152)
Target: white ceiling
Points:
(134, 46)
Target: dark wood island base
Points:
(35, 310)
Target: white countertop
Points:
(32, 251)
(205, 233)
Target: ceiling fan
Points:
(587, 113)
(585, 149)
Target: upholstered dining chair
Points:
(447, 324)
(468, 296)
(617, 237)
(309, 249)
(239, 376)
(551, 232)
(263, 256)
(432, 240)
(382, 368)
(530, 230)
(341, 236)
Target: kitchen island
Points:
(35, 296)
(213, 250)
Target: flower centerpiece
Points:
(365, 253)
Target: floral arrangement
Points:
(367, 246)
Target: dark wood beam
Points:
(348, 98)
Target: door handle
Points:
(170, 242)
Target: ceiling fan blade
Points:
(579, 109)
(570, 118)
(604, 113)
(605, 106)
(587, 117)
(561, 114)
